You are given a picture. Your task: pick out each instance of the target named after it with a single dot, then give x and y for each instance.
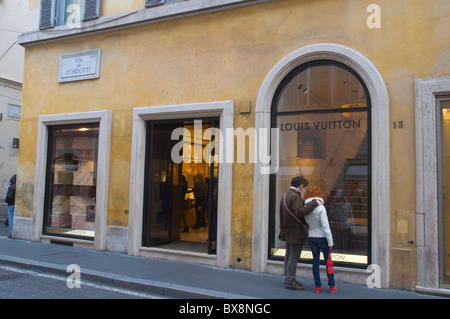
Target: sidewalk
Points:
(174, 279)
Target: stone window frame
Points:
(104, 119)
(222, 109)
(427, 93)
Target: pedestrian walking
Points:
(293, 228)
(11, 201)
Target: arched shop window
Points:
(322, 111)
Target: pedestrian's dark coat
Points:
(11, 194)
(291, 228)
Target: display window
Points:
(322, 111)
(71, 181)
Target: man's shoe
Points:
(317, 290)
(296, 286)
(333, 289)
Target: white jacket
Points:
(318, 222)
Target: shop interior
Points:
(180, 205)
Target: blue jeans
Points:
(10, 217)
(317, 245)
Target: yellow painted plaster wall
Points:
(226, 56)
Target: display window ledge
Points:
(67, 240)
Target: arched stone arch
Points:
(380, 153)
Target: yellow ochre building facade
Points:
(172, 129)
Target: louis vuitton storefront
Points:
(325, 106)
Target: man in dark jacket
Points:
(293, 231)
(11, 201)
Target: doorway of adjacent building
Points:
(181, 174)
(444, 187)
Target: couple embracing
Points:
(299, 220)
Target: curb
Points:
(126, 282)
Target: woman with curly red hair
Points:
(319, 236)
(293, 230)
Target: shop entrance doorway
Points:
(180, 202)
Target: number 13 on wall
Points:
(398, 124)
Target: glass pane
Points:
(71, 181)
(446, 189)
(159, 190)
(72, 11)
(321, 86)
(332, 152)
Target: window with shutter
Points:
(151, 3)
(47, 19)
(91, 9)
(67, 11)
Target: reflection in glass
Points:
(321, 112)
(72, 11)
(321, 86)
